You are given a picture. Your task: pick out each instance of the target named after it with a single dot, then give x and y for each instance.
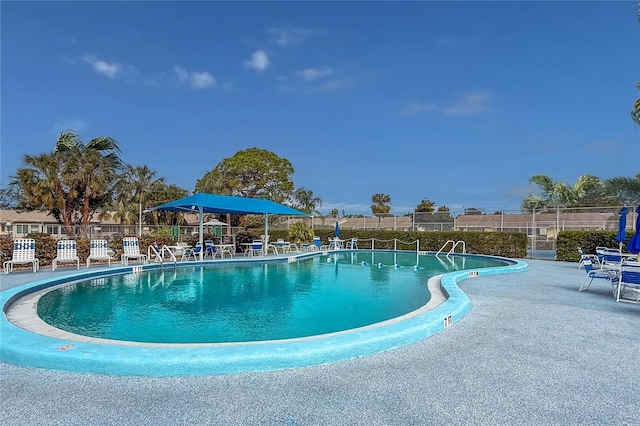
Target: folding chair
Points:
(595, 273)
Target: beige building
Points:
(14, 224)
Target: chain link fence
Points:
(542, 227)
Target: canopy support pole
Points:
(200, 231)
(266, 233)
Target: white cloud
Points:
(290, 36)
(470, 104)
(417, 107)
(196, 80)
(314, 73)
(259, 60)
(103, 68)
(112, 70)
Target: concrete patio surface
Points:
(532, 351)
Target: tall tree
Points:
(136, 188)
(425, 206)
(305, 201)
(626, 191)
(72, 182)
(635, 111)
(588, 190)
(9, 197)
(380, 205)
(252, 173)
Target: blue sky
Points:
(457, 102)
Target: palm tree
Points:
(136, 185)
(380, 205)
(72, 182)
(635, 111)
(586, 191)
(305, 201)
(625, 190)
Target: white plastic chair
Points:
(24, 251)
(131, 248)
(66, 253)
(98, 251)
(353, 244)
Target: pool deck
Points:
(532, 350)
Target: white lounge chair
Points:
(131, 248)
(67, 253)
(592, 273)
(98, 251)
(24, 251)
(629, 284)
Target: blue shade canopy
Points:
(337, 233)
(622, 226)
(202, 203)
(213, 203)
(634, 242)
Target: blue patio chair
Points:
(593, 257)
(256, 248)
(629, 284)
(317, 242)
(192, 252)
(210, 248)
(595, 273)
(611, 258)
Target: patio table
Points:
(228, 248)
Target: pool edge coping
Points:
(29, 349)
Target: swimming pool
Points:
(73, 353)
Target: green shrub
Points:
(569, 241)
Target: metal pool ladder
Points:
(454, 244)
(158, 256)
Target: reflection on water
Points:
(328, 293)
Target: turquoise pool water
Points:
(240, 303)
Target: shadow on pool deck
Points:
(532, 350)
